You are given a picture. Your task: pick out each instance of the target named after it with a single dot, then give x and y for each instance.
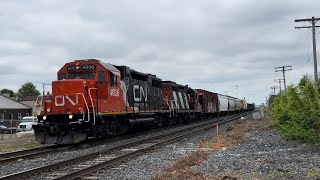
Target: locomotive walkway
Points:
(89, 163)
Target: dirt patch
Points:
(233, 136)
(181, 169)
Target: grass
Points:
(18, 147)
(14, 144)
(315, 173)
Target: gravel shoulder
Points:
(261, 154)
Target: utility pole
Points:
(43, 88)
(279, 80)
(266, 100)
(236, 86)
(283, 69)
(274, 89)
(313, 26)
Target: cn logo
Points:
(60, 100)
(139, 93)
(114, 92)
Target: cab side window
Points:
(62, 76)
(113, 79)
(101, 77)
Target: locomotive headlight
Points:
(44, 117)
(48, 109)
(70, 116)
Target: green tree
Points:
(304, 80)
(296, 112)
(28, 89)
(7, 91)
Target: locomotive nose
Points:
(54, 129)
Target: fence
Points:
(8, 126)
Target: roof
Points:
(7, 103)
(29, 98)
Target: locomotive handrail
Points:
(35, 105)
(85, 101)
(167, 102)
(94, 117)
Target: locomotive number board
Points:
(83, 67)
(88, 67)
(71, 68)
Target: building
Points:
(12, 111)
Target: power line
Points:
(313, 26)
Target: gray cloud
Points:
(214, 45)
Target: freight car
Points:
(251, 106)
(92, 99)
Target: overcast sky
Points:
(213, 45)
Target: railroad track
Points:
(103, 159)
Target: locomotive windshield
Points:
(77, 75)
(81, 75)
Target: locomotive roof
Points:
(111, 68)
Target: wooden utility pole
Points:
(313, 26)
(274, 89)
(283, 69)
(279, 80)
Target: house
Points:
(12, 111)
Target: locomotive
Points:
(93, 99)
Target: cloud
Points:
(214, 45)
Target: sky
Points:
(230, 47)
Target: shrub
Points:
(296, 112)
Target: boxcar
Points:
(209, 102)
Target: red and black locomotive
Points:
(92, 99)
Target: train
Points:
(93, 99)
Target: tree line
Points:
(27, 89)
(296, 112)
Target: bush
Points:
(296, 112)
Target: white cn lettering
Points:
(142, 93)
(60, 100)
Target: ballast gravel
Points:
(150, 164)
(264, 155)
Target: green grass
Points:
(18, 147)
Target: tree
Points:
(28, 89)
(7, 91)
(304, 80)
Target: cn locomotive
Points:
(93, 99)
